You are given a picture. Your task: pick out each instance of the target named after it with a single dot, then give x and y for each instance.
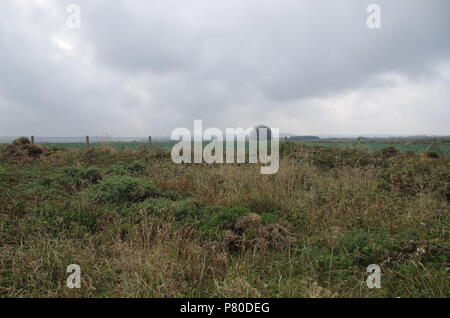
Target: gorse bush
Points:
(74, 178)
(137, 166)
(119, 189)
(433, 154)
(3, 172)
(190, 213)
(209, 219)
(329, 158)
(91, 175)
(224, 219)
(389, 152)
(236, 227)
(118, 170)
(159, 206)
(288, 148)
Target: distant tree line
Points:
(304, 138)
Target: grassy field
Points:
(164, 145)
(416, 147)
(377, 146)
(141, 226)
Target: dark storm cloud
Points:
(138, 67)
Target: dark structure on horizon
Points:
(304, 138)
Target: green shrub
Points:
(433, 154)
(328, 158)
(288, 148)
(401, 180)
(269, 218)
(159, 206)
(189, 213)
(119, 189)
(3, 172)
(137, 166)
(225, 218)
(324, 158)
(161, 154)
(384, 184)
(56, 217)
(74, 178)
(209, 220)
(354, 157)
(369, 247)
(389, 152)
(91, 175)
(72, 171)
(118, 170)
(219, 221)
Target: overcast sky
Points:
(145, 67)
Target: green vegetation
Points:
(377, 146)
(141, 226)
(3, 172)
(416, 146)
(119, 189)
(163, 145)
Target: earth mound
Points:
(22, 148)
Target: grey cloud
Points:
(293, 49)
(140, 67)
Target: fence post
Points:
(32, 139)
(87, 140)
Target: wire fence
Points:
(85, 139)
